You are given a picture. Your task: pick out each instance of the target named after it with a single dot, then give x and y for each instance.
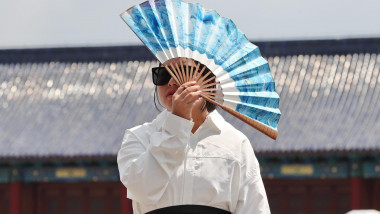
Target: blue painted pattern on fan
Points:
(172, 28)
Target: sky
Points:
(82, 23)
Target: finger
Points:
(185, 86)
(191, 97)
(183, 91)
(199, 100)
(193, 88)
(188, 84)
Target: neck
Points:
(199, 118)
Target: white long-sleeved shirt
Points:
(163, 164)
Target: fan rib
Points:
(180, 73)
(187, 74)
(212, 93)
(208, 80)
(193, 76)
(213, 98)
(199, 75)
(209, 85)
(191, 73)
(172, 74)
(212, 89)
(204, 77)
(183, 72)
(255, 124)
(176, 73)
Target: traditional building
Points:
(63, 113)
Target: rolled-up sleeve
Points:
(146, 167)
(252, 196)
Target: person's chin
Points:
(167, 105)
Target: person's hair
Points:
(209, 106)
(156, 97)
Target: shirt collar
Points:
(214, 121)
(160, 119)
(211, 126)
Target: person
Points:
(189, 159)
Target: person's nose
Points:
(172, 82)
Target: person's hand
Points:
(184, 99)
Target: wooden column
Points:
(356, 185)
(126, 203)
(14, 200)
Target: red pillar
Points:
(126, 203)
(15, 201)
(356, 185)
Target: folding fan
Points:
(244, 85)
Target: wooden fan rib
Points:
(209, 85)
(202, 79)
(196, 77)
(180, 72)
(208, 80)
(195, 72)
(212, 89)
(176, 74)
(213, 94)
(187, 74)
(255, 124)
(199, 75)
(213, 98)
(191, 73)
(183, 72)
(172, 74)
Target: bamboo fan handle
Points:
(257, 125)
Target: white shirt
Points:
(163, 164)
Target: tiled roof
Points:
(70, 109)
(329, 103)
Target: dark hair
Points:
(155, 97)
(209, 106)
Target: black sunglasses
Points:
(161, 76)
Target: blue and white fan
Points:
(244, 85)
